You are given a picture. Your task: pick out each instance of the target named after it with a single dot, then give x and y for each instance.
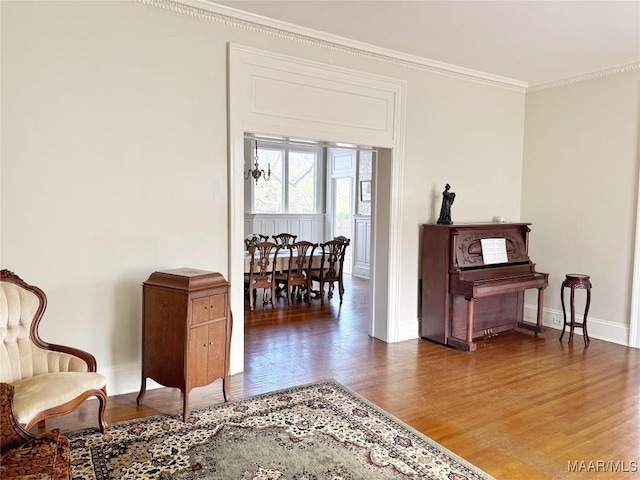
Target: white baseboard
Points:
(598, 328)
(408, 330)
(125, 379)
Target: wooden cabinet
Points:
(186, 331)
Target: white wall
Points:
(114, 159)
(113, 163)
(580, 189)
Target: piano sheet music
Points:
(494, 250)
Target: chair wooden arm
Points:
(12, 434)
(89, 359)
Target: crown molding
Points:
(604, 72)
(208, 10)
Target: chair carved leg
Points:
(102, 398)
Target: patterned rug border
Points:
(407, 427)
(330, 382)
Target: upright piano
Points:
(464, 298)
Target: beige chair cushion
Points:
(36, 394)
(19, 357)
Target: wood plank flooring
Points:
(520, 407)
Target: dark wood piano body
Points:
(462, 298)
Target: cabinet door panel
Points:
(217, 349)
(197, 356)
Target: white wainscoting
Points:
(362, 246)
(306, 227)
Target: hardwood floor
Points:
(520, 407)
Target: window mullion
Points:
(285, 181)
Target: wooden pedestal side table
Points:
(575, 281)
(186, 331)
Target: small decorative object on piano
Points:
(445, 210)
(251, 240)
(499, 219)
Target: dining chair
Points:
(331, 267)
(284, 238)
(297, 278)
(262, 270)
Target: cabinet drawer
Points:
(218, 307)
(206, 309)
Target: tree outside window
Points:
(292, 187)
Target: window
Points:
(295, 176)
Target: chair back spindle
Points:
(284, 239)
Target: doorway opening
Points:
(275, 94)
(312, 190)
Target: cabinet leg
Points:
(469, 336)
(225, 386)
(143, 390)
(573, 314)
(185, 406)
(540, 310)
(467, 344)
(564, 312)
(584, 319)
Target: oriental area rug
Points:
(321, 431)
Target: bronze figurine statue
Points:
(445, 210)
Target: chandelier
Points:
(255, 172)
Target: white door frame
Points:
(258, 81)
(634, 319)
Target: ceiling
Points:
(534, 42)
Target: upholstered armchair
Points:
(49, 380)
